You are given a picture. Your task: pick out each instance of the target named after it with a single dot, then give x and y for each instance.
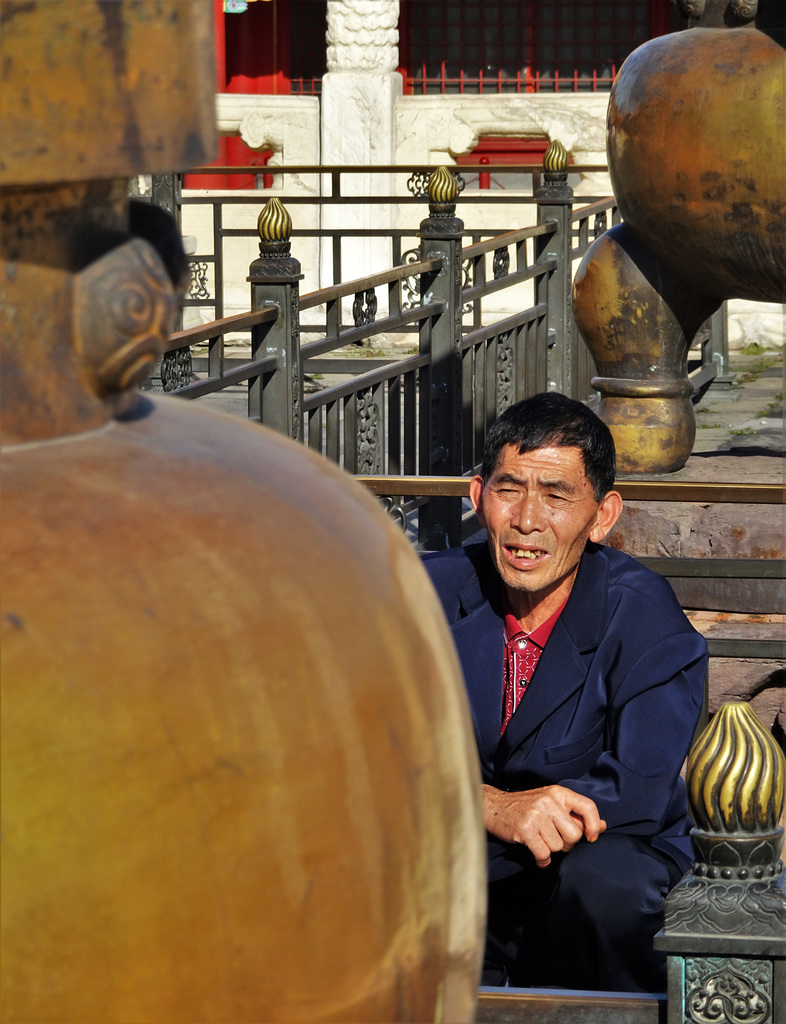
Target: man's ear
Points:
(476, 497)
(608, 514)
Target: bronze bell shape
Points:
(696, 124)
(239, 781)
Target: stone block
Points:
(721, 530)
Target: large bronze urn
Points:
(238, 776)
(696, 130)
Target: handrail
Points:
(362, 284)
(378, 168)
(599, 206)
(500, 327)
(631, 490)
(351, 335)
(238, 375)
(369, 379)
(204, 332)
(507, 238)
(511, 278)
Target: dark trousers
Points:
(585, 922)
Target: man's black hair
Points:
(551, 419)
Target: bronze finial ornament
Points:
(274, 226)
(210, 812)
(555, 159)
(555, 174)
(725, 921)
(443, 190)
(274, 223)
(737, 778)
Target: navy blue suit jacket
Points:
(611, 708)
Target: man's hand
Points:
(548, 820)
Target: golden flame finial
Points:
(274, 223)
(555, 159)
(442, 187)
(736, 774)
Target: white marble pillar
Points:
(359, 95)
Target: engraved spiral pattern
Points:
(736, 774)
(746, 10)
(691, 8)
(126, 309)
(556, 157)
(274, 223)
(442, 187)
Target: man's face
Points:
(539, 511)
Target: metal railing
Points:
(427, 412)
(324, 188)
(177, 367)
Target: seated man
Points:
(585, 681)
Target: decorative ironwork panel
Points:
(410, 286)
(198, 286)
(364, 308)
(501, 263)
(368, 439)
(176, 369)
(417, 183)
(467, 280)
(467, 272)
(731, 990)
(504, 371)
(392, 505)
(296, 390)
(600, 224)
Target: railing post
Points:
(164, 191)
(440, 404)
(718, 346)
(277, 399)
(725, 921)
(554, 199)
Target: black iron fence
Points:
(315, 190)
(427, 411)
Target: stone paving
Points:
(740, 428)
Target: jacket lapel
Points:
(480, 641)
(563, 667)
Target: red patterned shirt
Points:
(522, 651)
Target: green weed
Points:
(773, 409)
(754, 371)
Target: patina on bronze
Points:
(696, 126)
(238, 777)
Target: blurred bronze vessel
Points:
(238, 777)
(696, 130)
